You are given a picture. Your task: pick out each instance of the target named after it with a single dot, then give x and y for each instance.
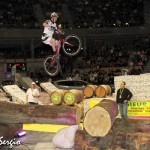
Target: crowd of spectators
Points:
(17, 14)
(106, 13)
(85, 13)
(100, 66)
(14, 53)
(21, 13)
(102, 76)
(51, 5)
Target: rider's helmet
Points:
(54, 14)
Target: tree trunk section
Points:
(129, 135)
(17, 113)
(89, 91)
(99, 119)
(73, 96)
(57, 97)
(103, 91)
(83, 141)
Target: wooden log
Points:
(99, 119)
(131, 125)
(89, 91)
(123, 135)
(73, 96)
(8, 131)
(103, 91)
(83, 141)
(17, 113)
(57, 97)
(81, 108)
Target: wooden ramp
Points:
(17, 94)
(48, 87)
(3, 96)
(26, 82)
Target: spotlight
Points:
(20, 133)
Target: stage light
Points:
(22, 133)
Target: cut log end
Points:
(97, 122)
(100, 91)
(89, 91)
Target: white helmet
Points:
(54, 15)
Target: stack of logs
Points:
(124, 135)
(71, 97)
(101, 129)
(100, 91)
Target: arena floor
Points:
(34, 140)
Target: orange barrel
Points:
(57, 97)
(103, 90)
(73, 96)
(89, 90)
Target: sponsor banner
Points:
(139, 108)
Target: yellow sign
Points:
(139, 108)
(94, 102)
